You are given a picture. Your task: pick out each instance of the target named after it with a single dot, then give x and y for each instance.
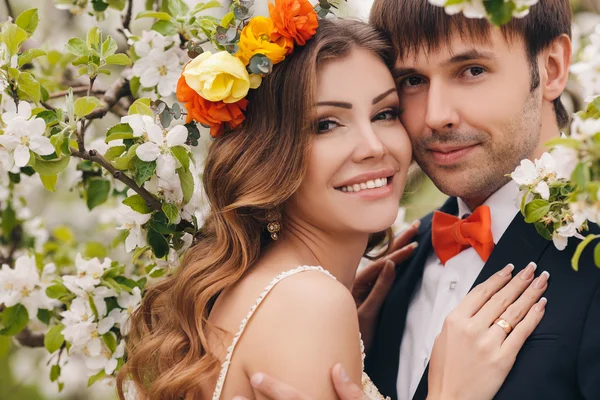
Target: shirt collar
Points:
(503, 208)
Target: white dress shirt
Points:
(441, 290)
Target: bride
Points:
(303, 180)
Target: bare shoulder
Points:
(305, 325)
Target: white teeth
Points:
(372, 184)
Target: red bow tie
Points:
(451, 235)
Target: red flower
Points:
(217, 115)
(294, 19)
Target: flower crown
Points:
(213, 87)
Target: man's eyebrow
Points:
(468, 56)
(398, 72)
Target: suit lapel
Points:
(519, 245)
(383, 359)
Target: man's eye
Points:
(474, 71)
(325, 125)
(412, 81)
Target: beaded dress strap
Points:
(236, 338)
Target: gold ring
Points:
(502, 323)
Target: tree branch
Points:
(9, 10)
(76, 90)
(29, 339)
(115, 92)
(94, 156)
(126, 19)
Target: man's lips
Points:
(451, 154)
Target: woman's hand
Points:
(473, 354)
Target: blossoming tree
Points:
(117, 125)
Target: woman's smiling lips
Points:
(370, 185)
(448, 155)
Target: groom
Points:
(476, 101)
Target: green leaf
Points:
(143, 170)
(113, 152)
(141, 106)
(581, 175)
(94, 249)
(566, 142)
(118, 59)
(109, 47)
(56, 291)
(157, 273)
(138, 204)
(182, 155)
(28, 20)
(163, 16)
(119, 131)
(86, 105)
(5, 342)
(13, 36)
(54, 338)
(110, 341)
(92, 39)
(78, 47)
(29, 87)
(49, 182)
(97, 192)
(54, 373)
(117, 4)
(8, 221)
(597, 255)
(176, 7)
(44, 315)
(14, 320)
(134, 83)
(205, 6)
(52, 167)
(171, 211)
(536, 210)
(579, 250)
(49, 117)
(64, 234)
(93, 379)
(122, 162)
(29, 55)
(187, 183)
(165, 28)
(158, 243)
(137, 253)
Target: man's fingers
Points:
(373, 302)
(345, 388)
(274, 389)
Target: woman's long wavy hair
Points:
(248, 172)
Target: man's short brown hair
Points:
(414, 25)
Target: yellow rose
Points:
(256, 39)
(218, 77)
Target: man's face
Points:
(470, 112)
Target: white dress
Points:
(368, 387)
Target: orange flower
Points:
(294, 19)
(218, 115)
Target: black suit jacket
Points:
(560, 360)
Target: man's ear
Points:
(554, 67)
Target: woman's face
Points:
(359, 157)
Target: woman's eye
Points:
(326, 125)
(387, 115)
(474, 71)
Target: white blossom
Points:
(22, 134)
(22, 285)
(159, 148)
(132, 222)
(566, 161)
(141, 125)
(89, 273)
(160, 69)
(129, 303)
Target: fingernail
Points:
(256, 379)
(541, 304)
(506, 271)
(344, 374)
(541, 280)
(416, 224)
(414, 245)
(527, 273)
